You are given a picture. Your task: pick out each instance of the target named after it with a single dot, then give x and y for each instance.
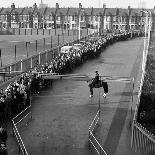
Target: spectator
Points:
(3, 135)
(3, 149)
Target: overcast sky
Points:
(85, 3)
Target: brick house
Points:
(69, 18)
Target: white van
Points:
(66, 49)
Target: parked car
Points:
(77, 47)
(66, 49)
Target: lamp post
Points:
(79, 27)
(147, 30)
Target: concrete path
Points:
(63, 113)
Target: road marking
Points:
(15, 41)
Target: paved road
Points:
(63, 113)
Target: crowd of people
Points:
(17, 95)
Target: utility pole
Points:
(79, 26)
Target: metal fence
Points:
(17, 122)
(30, 31)
(45, 54)
(142, 141)
(21, 47)
(92, 139)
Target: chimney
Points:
(129, 10)
(13, 6)
(104, 5)
(80, 5)
(34, 5)
(57, 6)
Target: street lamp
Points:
(147, 30)
(147, 22)
(79, 27)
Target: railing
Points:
(16, 121)
(92, 140)
(142, 141)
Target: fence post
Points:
(37, 31)
(39, 58)
(55, 31)
(1, 56)
(43, 32)
(10, 68)
(36, 46)
(31, 62)
(19, 32)
(21, 65)
(31, 31)
(49, 32)
(25, 31)
(51, 41)
(13, 30)
(44, 44)
(15, 52)
(58, 39)
(63, 38)
(68, 32)
(46, 56)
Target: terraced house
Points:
(72, 18)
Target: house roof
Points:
(88, 11)
(6, 11)
(1, 10)
(53, 10)
(123, 12)
(27, 10)
(98, 11)
(110, 11)
(17, 11)
(73, 11)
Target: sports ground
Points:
(26, 44)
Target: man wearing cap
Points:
(96, 80)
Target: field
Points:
(17, 47)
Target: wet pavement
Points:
(62, 114)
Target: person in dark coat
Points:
(96, 80)
(3, 135)
(3, 149)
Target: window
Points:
(58, 18)
(36, 25)
(82, 18)
(73, 18)
(114, 18)
(4, 25)
(13, 17)
(107, 18)
(96, 18)
(67, 26)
